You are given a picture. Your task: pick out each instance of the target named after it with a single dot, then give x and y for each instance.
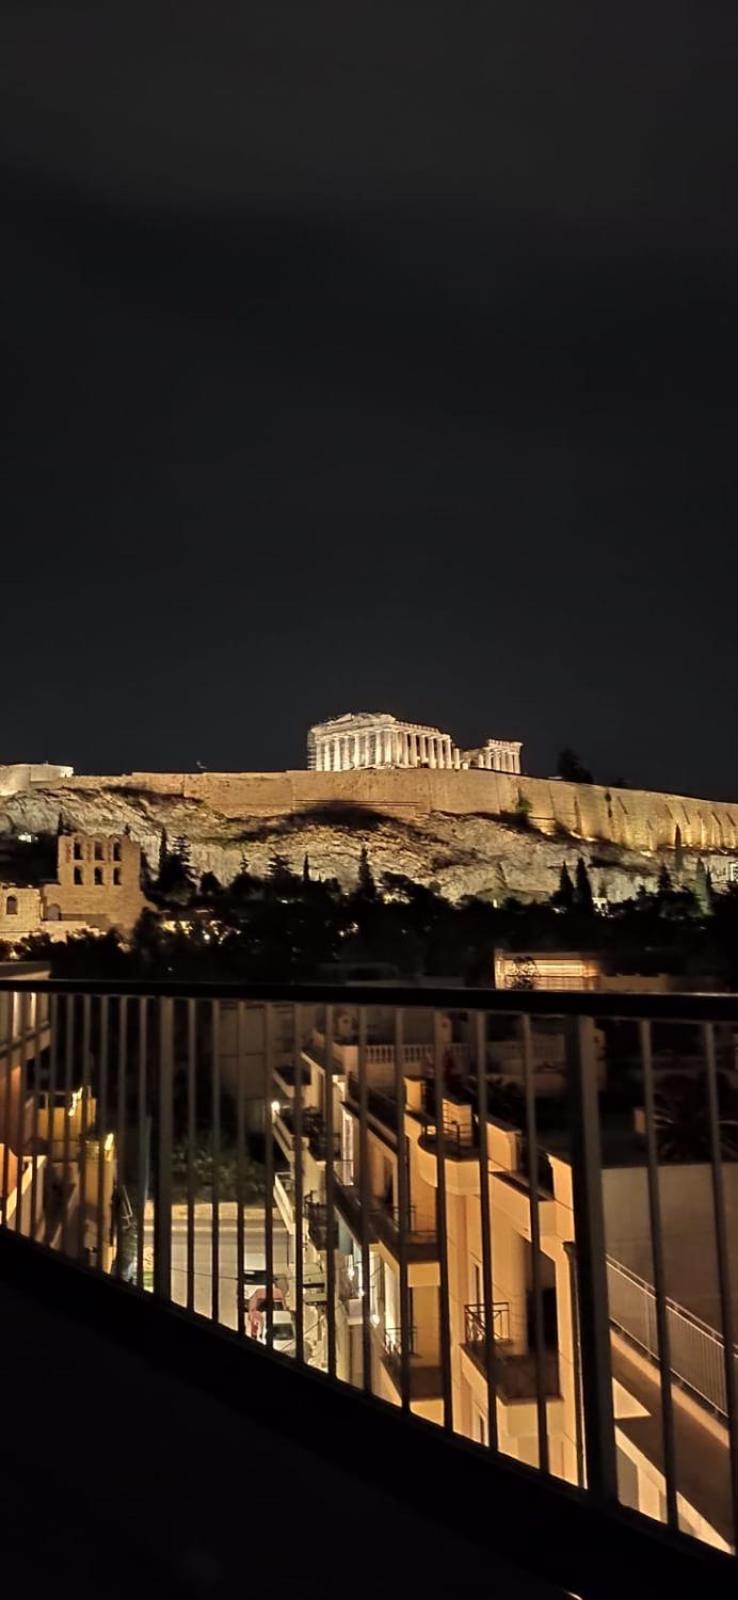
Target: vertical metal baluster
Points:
(102, 1117)
(163, 1204)
(531, 1137)
(120, 1133)
(215, 1236)
(589, 1229)
(240, 1167)
(659, 1276)
(141, 1154)
(51, 1117)
(21, 1120)
(722, 1249)
(7, 1045)
(82, 1215)
(191, 1140)
(36, 1007)
(298, 1186)
(403, 1211)
(330, 1209)
(366, 1327)
(570, 1251)
(441, 1226)
(69, 1004)
(269, 1171)
(480, 1021)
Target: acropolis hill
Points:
(467, 830)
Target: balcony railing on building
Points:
(516, 1372)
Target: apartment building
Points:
(408, 1230)
(57, 1166)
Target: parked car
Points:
(284, 1333)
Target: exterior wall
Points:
(637, 818)
(90, 858)
(25, 919)
(24, 775)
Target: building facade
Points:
(387, 1220)
(377, 739)
(97, 887)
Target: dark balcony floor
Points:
(145, 1453)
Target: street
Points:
(254, 1260)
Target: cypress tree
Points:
(564, 896)
(366, 885)
(678, 851)
(583, 890)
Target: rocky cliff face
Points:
(461, 855)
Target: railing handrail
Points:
(674, 1305)
(691, 1008)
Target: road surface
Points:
(254, 1259)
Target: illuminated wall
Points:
(636, 818)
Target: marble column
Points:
(432, 752)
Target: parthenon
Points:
(378, 739)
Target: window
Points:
(99, 853)
(98, 875)
(116, 852)
(11, 906)
(78, 874)
(77, 850)
(116, 875)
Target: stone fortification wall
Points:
(23, 775)
(635, 818)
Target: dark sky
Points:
(370, 356)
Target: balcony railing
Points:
(155, 1169)
(316, 1215)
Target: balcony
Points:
(420, 1242)
(187, 1195)
(425, 1377)
(516, 1374)
(316, 1216)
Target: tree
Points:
(523, 809)
(176, 879)
(564, 898)
(210, 886)
(703, 887)
(306, 869)
(678, 851)
(665, 885)
(367, 888)
(570, 767)
(583, 890)
(682, 1121)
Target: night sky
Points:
(370, 357)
